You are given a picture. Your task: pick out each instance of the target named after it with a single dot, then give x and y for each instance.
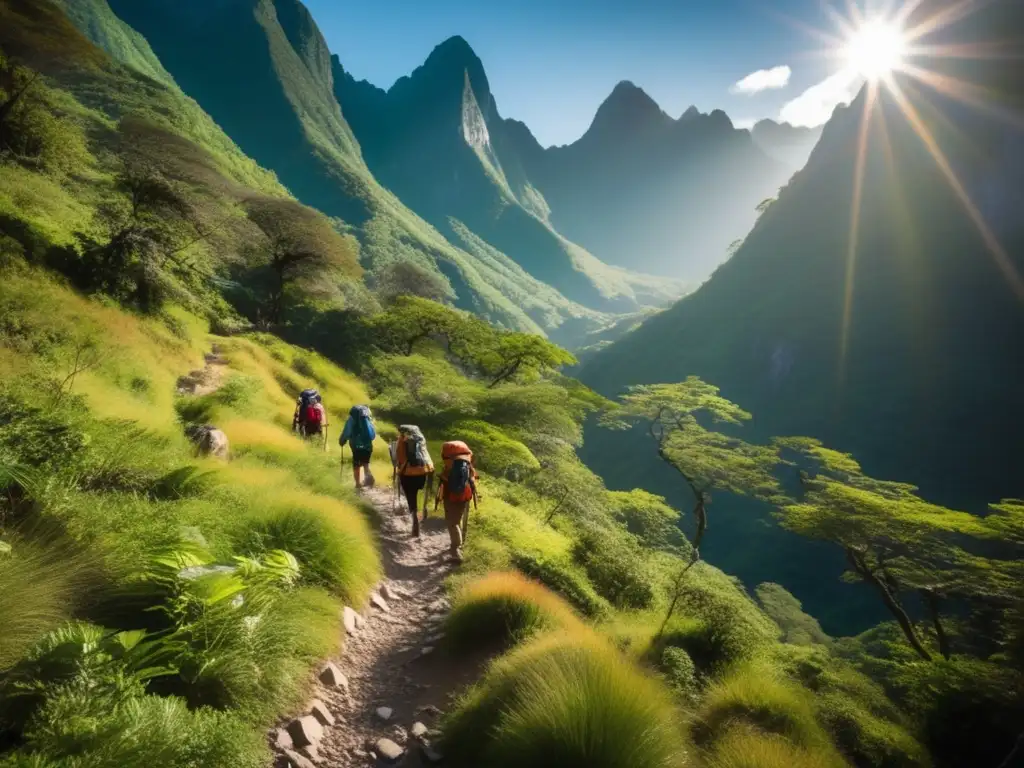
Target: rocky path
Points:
(393, 680)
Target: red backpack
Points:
(313, 416)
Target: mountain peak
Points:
(454, 51)
(690, 113)
(626, 110)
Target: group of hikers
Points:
(413, 470)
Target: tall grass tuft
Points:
(566, 700)
(504, 608)
(750, 748)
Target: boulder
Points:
(388, 751)
(384, 713)
(281, 738)
(379, 603)
(305, 731)
(333, 677)
(349, 619)
(419, 730)
(320, 711)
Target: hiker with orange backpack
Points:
(457, 488)
(413, 467)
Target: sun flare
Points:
(876, 48)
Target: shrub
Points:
(76, 729)
(744, 747)
(798, 628)
(752, 694)
(330, 555)
(560, 577)
(565, 701)
(617, 567)
(680, 673)
(493, 450)
(502, 609)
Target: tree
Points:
(513, 354)
(894, 541)
(305, 255)
(705, 459)
(405, 278)
(412, 319)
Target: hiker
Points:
(457, 489)
(359, 432)
(413, 466)
(310, 419)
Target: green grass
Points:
(501, 609)
(566, 701)
(750, 748)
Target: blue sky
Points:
(552, 62)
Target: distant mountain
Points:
(263, 70)
(436, 139)
(786, 143)
(660, 195)
(920, 379)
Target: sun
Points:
(875, 48)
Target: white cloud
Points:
(763, 80)
(744, 123)
(814, 106)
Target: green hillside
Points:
(920, 381)
(263, 71)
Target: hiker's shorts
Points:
(361, 456)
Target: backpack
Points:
(363, 433)
(310, 417)
(416, 454)
(459, 471)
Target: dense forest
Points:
(692, 584)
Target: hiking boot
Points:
(456, 556)
(369, 482)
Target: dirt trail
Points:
(208, 378)
(394, 660)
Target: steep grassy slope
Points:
(434, 138)
(919, 377)
(263, 71)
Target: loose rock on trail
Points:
(389, 687)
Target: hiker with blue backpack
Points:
(359, 432)
(413, 468)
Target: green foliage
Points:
(426, 391)
(502, 609)
(650, 519)
(616, 566)
(494, 451)
(406, 278)
(563, 579)
(680, 673)
(798, 628)
(564, 701)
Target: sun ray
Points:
(944, 18)
(964, 92)
(999, 255)
(855, 208)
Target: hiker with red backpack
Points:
(457, 488)
(413, 467)
(360, 433)
(310, 419)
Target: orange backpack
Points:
(459, 473)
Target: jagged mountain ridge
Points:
(786, 143)
(920, 383)
(262, 69)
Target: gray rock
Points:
(320, 711)
(333, 677)
(389, 751)
(379, 602)
(349, 619)
(384, 713)
(282, 739)
(391, 592)
(419, 730)
(296, 760)
(360, 621)
(305, 731)
(430, 754)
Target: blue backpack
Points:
(363, 433)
